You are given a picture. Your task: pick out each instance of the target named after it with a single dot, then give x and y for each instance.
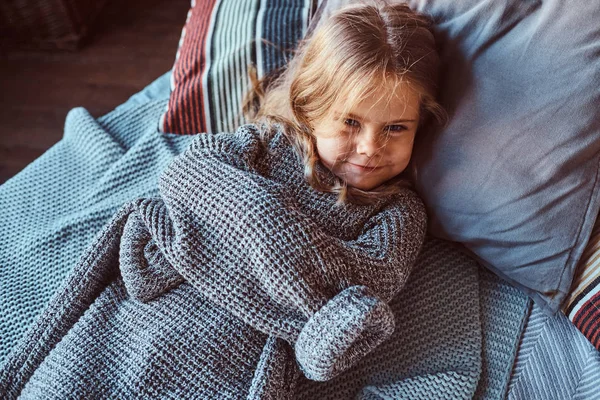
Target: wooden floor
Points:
(132, 43)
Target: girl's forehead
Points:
(401, 102)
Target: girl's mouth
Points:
(363, 168)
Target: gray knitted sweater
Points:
(235, 279)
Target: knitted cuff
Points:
(145, 271)
(347, 328)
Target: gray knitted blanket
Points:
(232, 281)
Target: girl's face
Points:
(373, 142)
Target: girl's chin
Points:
(365, 180)
(363, 184)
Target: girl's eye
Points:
(351, 122)
(395, 128)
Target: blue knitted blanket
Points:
(52, 212)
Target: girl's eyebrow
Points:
(403, 120)
(358, 117)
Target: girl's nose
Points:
(367, 143)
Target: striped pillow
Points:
(582, 306)
(218, 42)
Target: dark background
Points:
(131, 43)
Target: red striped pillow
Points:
(219, 40)
(582, 304)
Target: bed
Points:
(461, 332)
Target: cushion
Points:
(582, 305)
(514, 175)
(219, 41)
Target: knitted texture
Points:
(456, 336)
(238, 248)
(504, 311)
(435, 351)
(55, 207)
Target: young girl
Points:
(353, 97)
(270, 251)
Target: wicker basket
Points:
(46, 24)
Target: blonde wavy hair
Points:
(358, 49)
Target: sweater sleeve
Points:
(249, 249)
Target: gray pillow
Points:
(514, 176)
